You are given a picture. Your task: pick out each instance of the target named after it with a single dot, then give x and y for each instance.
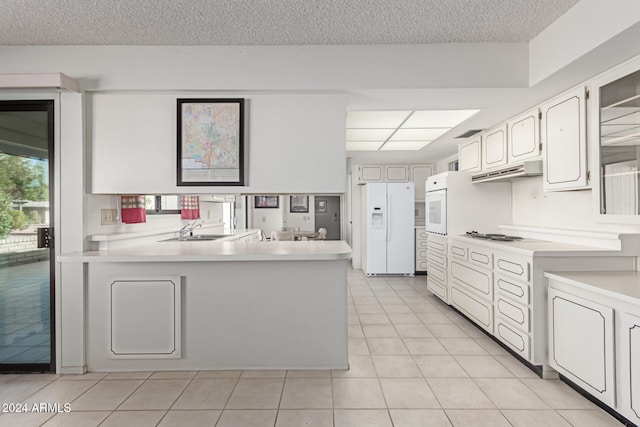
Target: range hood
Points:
(526, 169)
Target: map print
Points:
(210, 142)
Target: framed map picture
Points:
(210, 141)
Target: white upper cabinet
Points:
(397, 173)
(614, 104)
(370, 173)
(563, 135)
(469, 154)
(494, 147)
(523, 136)
(419, 175)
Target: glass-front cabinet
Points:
(616, 109)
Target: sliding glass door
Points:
(26, 268)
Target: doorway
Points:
(327, 215)
(26, 270)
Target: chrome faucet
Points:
(187, 230)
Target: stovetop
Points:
(495, 237)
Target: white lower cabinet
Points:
(629, 371)
(145, 315)
(438, 288)
(581, 343)
(421, 240)
(437, 272)
(492, 288)
(473, 306)
(476, 279)
(514, 312)
(516, 340)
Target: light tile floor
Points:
(414, 362)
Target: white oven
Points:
(436, 204)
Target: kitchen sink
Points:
(198, 238)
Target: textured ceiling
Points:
(273, 22)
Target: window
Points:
(157, 205)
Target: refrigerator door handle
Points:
(388, 215)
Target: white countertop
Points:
(216, 250)
(623, 285)
(532, 247)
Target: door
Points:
(494, 148)
(524, 136)
(400, 229)
(375, 256)
(327, 215)
(629, 373)
(370, 173)
(469, 154)
(436, 215)
(26, 270)
(564, 142)
(581, 343)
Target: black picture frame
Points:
(266, 202)
(210, 141)
(299, 204)
(321, 206)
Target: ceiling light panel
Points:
(439, 118)
(403, 134)
(404, 145)
(363, 145)
(369, 134)
(376, 119)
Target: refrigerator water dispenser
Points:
(377, 218)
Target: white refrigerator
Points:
(389, 236)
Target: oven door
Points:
(436, 207)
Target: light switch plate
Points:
(108, 216)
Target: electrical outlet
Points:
(108, 216)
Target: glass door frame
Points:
(48, 106)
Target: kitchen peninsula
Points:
(200, 305)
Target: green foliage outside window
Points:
(6, 220)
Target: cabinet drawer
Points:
(421, 243)
(479, 280)
(437, 259)
(458, 251)
(480, 256)
(512, 337)
(512, 266)
(513, 289)
(437, 273)
(478, 310)
(518, 314)
(421, 265)
(421, 233)
(421, 254)
(437, 245)
(437, 288)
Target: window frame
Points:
(158, 207)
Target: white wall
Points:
(586, 26)
(443, 164)
(266, 219)
(294, 143)
(299, 220)
(269, 68)
(563, 209)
